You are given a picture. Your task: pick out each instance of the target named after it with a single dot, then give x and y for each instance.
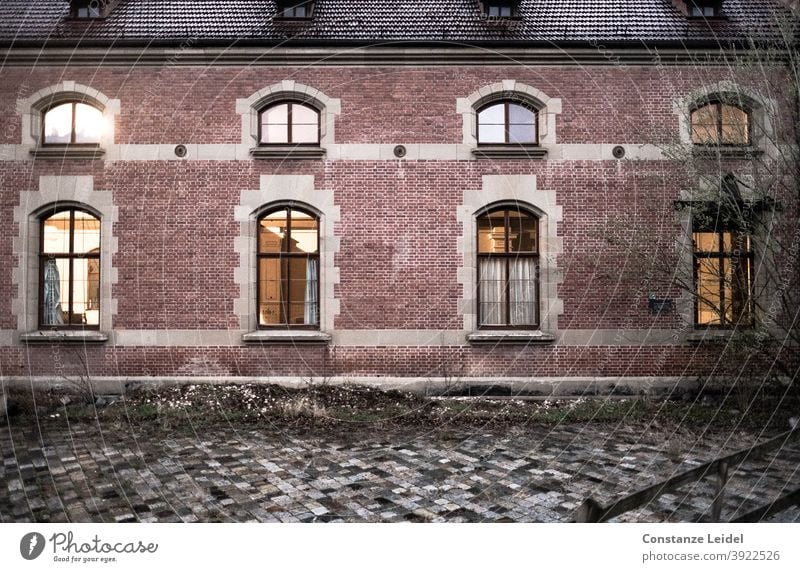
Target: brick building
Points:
(384, 190)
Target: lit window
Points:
(69, 270)
(723, 267)
(289, 123)
(72, 123)
(507, 123)
(288, 268)
(508, 260)
(720, 124)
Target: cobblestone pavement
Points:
(529, 474)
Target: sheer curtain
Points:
(312, 278)
(492, 290)
(51, 312)
(522, 289)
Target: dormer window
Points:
(88, 9)
(500, 9)
(294, 10)
(705, 9)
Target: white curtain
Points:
(51, 312)
(312, 278)
(522, 289)
(492, 291)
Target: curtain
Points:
(312, 279)
(51, 314)
(492, 291)
(522, 289)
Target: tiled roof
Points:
(557, 21)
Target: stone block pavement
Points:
(84, 473)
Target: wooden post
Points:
(719, 499)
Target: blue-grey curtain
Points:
(51, 314)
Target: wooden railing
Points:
(591, 511)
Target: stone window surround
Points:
(761, 111)
(30, 110)
(512, 189)
(548, 107)
(250, 108)
(278, 190)
(75, 191)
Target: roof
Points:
(364, 21)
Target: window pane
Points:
(271, 291)
(87, 233)
(303, 114)
(522, 233)
(275, 134)
(704, 124)
(88, 124)
(520, 115)
(709, 303)
(304, 233)
(492, 291)
(522, 134)
(734, 126)
(522, 290)
(706, 241)
(305, 133)
(56, 234)
(303, 291)
(86, 292)
(272, 232)
(493, 115)
(277, 114)
(492, 134)
(58, 124)
(492, 233)
(55, 292)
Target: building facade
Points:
(385, 191)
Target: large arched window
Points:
(718, 123)
(508, 268)
(288, 268)
(69, 269)
(72, 123)
(289, 123)
(507, 122)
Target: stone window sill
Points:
(287, 152)
(726, 151)
(510, 337)
(67, 152)
(64, 336)
(286, 337)
(509, 152)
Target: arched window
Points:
(718, 123)
(508, 268)
(288, 268)
(289, 123)
(69, 269)
(508, 122)
(72, 123)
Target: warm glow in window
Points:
(73, 123)
(720, 124)
(723, 276)
(70, 270)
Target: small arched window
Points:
(508, 122)
(288, 268)
(69, 269)
(508, 268)
(72, 123)
(718, 123)
(289, 123)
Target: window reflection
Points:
(73, 123)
